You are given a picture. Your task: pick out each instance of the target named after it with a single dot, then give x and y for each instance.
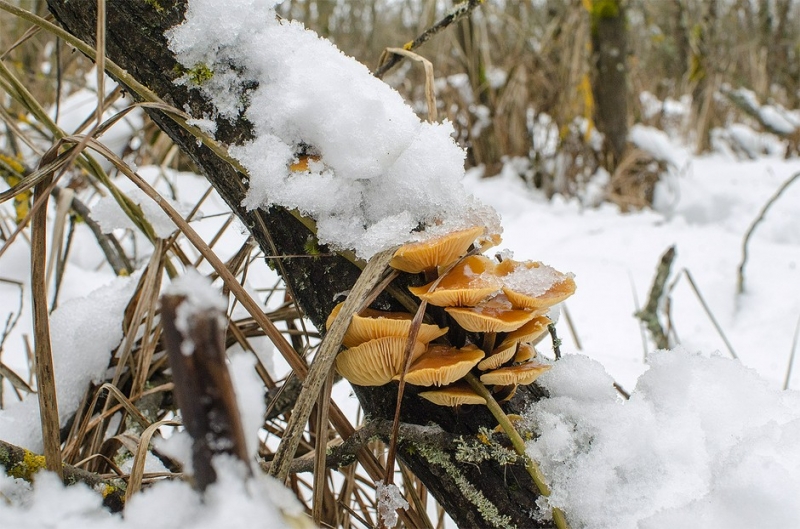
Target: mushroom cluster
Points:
(497, 307)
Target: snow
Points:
(703, 442)
(230, 502)
(384, 173)
(390, 499)
(83, 333)
(658, 144)
(200, 298)
(109, 214)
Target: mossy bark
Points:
(135, 41)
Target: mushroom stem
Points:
(519, 445)
(488, 342)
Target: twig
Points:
(752, 228)
(519, 445)
(320, 475)
(792, 355)
(571, 326)
(649, 315)
(710, 314)
(203, 387)
(459, 11)
(323, 362)
(430, 95)
(342, 453)
(551, 328)
(108, 243)
(45, 376)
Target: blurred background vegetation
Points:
(524, 81)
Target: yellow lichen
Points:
(31, 464)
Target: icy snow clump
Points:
(383, 172)
(703, 442)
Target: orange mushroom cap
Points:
(533, 285)
(453, 395)
(442, 364)
(372, 324)
(494, 315)
(441, 251)
(376, 362)
(467, 284)
(520, 374)
(499, 356)
(530, 332)
(525, 352)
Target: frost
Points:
(389, 500)
(534, 281)
(383, 173)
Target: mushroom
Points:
(427, 255)
(442, 364)
(521, 374)
(453, 395)
(467, 284)
(533, 285)
(528, 333)
(499, 356)
(371, 324)
(525, 352)
(494, 315)
(376, 362)
(303, 162)
(504, 393)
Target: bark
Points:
(471, 493)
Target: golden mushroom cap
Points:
(453, 395)
(372, 324)
(524, 353)
(520, 374)
(529, 332)
(442, 364)
(499, 356)
(441, 251)
(376, 362)
(494, 315)
(534, 285)
(467, 284)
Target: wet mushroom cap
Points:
(467, 284)
(436, 252)
(454, 395)
(376, 362)
(524, 353)
(442, 364)
(523, 374)
(528, 333)
(372, 324)
(493, 315)
(499, 356)
(534, 285)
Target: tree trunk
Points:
(474, 495)
(610, 49)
